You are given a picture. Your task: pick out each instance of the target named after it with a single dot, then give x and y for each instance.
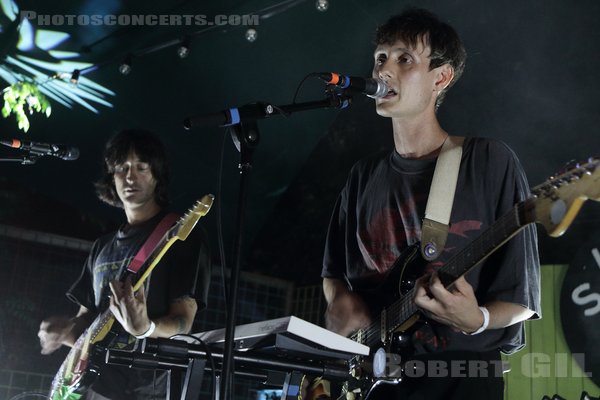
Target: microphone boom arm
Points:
(255, 111)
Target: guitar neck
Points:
(488, 242)
(153, 260)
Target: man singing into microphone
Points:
(380, 210)
(135, 178)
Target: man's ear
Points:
(445, 74)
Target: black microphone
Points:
(44, 149)
(374, 88)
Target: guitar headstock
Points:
(187, 222)
(559, 199)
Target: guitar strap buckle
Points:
(433, 239)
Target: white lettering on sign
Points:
(583, 300)
(596, 255)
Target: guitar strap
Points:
(150, 243)
(441, 196)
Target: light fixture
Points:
(251, 35)
(125, 67)
(322, 5)
(184, 48)
(75, 77)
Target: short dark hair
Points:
(415, 24)
(148, 148)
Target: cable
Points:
(264, 13)
(220, 243)
(312, 74)
(209, 357)
(88, 47)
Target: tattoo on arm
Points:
(179, 320)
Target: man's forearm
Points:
(81, 322)
(179, 320)
(503, 314)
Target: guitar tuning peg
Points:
(592, 163)
(569, 165)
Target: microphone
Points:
(374, 88)
(44, 149)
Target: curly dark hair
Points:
(416, 24)
(148, 148)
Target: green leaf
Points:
(21, 93)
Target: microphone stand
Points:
(246, 136)
(27, 159)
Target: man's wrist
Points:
(484, 325)
(148, 332)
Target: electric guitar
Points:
(554, 204)
(83, 362)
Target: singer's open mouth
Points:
(390, 93)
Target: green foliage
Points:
(22, 94)
(65, 393)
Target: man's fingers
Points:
(463, 286)
(128, 288)
(115, 308)
(141, 292)
(437, 289)
(114, 288)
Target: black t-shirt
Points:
(379, 213)
(184, 270)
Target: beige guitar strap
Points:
(441, 196)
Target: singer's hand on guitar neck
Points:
(346, 312)
(456, 307)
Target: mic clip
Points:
(339, 97)
(27, 159)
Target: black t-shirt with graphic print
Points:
(378, 215)
(184, 270)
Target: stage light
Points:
(75, 77)
(251, 35)
(184, 49)
(125, 67)
(322, 5)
